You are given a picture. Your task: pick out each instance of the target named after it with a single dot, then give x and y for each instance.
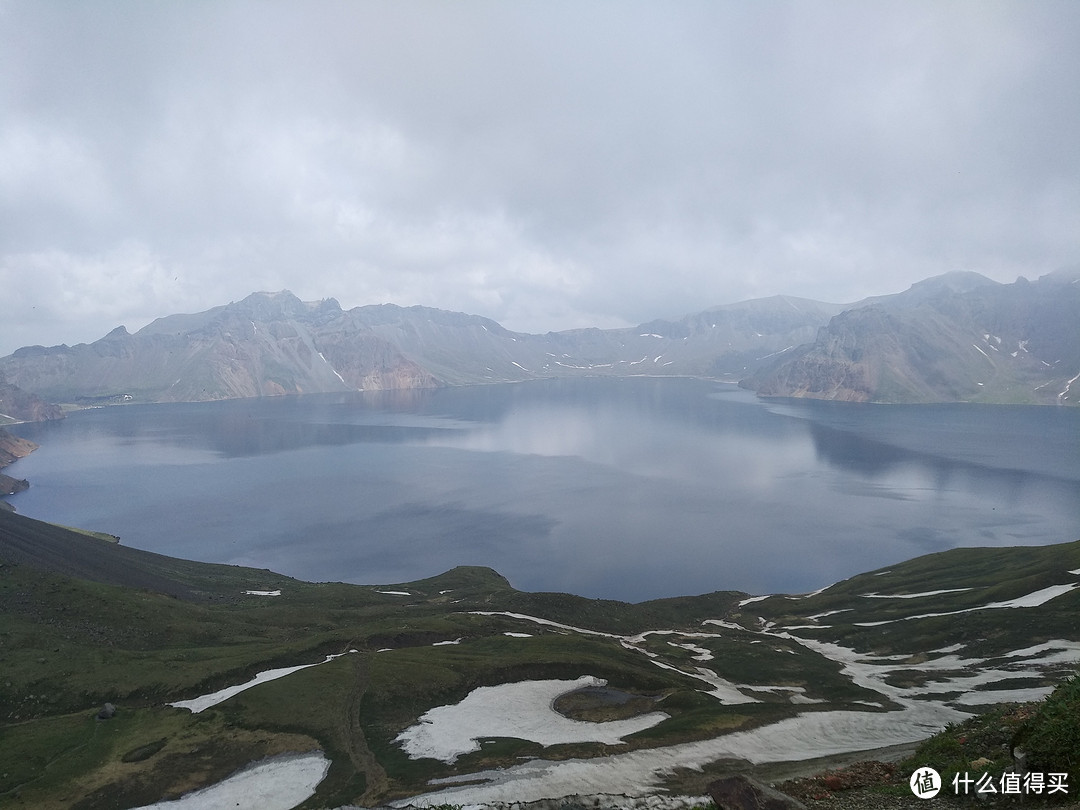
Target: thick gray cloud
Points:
(547, 164)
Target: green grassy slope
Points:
(84, 621)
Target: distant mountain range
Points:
(955, 337)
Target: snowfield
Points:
(639, 772)
(277, 783)
(521, 710)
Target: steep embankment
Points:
(17, 405)
(12, 448)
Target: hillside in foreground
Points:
(695, 686)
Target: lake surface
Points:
(622, 488)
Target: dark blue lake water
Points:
(624, 488)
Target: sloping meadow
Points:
(888, 655)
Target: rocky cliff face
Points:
(955, 338)
(12, 448)
(17, 405)
(267, 344)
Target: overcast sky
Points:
(546, 164)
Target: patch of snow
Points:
(1055, 651)
(1035, 599)
(817, 616)
(803, 700)
(812, 593)
(980, 351)
(1003, 696)
(446, 643)
(652, 335)
(911, 595)
(515, 363)
(276, 783)
(723, 690)
(518, 635)
(729, 625)
(700, 653)
(395, 593)
(545, 622)
(773, 354)
(204, 702)
(520, 710)
(264, 593)
(950, 649)
(1040, 597)
(753, 599)
(1075, 572)
(1068, 385)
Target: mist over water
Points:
(623, 488)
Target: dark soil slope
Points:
(25, 541)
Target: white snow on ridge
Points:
(545, 622)
(753, 599)
(204, 702)
(520, 710)
(1035, 599)
(911, 595)
(1040, 597)
(263, 593)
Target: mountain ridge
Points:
(958, 337)
(955, 337)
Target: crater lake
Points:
(631, 488)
